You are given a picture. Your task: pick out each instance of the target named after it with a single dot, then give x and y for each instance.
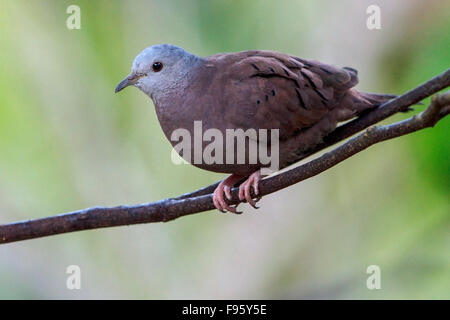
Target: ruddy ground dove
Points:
(304, 99)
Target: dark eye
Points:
(157, 66)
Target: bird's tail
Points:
(377, 99)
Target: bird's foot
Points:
(224, 188)
(246, 187)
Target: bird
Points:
(302, 100)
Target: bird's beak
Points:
(128, 81)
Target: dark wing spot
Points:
(258, 102)
(254, 66)
(320, 94)
(273, 92)
(300, 99)
(308, 78)
(267, 97)
(271, 69)
(325, 70)
(351, 70)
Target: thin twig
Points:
(201, 200)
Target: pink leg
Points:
(224, 187)
(246, 186)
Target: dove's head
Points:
(160, 68)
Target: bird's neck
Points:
(186, 69)
(176, 107)
(167, 99)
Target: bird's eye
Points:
(157, 66)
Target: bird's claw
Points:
(246, 187)
(223, 191)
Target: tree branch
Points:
(201, 200)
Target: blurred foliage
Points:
(423, 53)
(67, 142)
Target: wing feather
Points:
(276, 90)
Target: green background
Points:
(67, 142)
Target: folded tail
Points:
(377, 99)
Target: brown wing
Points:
(268, 90)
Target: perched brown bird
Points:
(303, 99)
